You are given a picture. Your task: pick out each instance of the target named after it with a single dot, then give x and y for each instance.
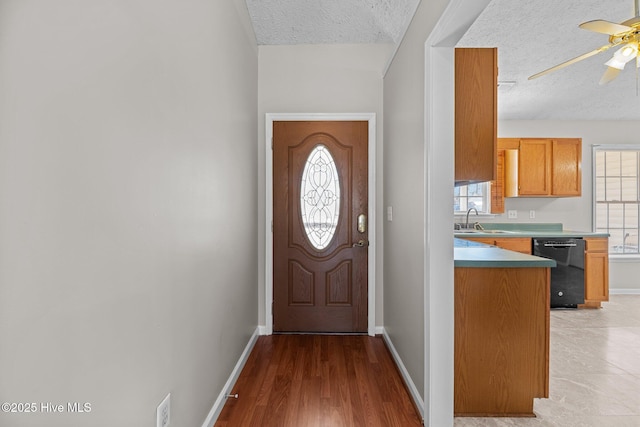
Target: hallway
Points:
(319, 380)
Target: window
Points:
(616, 177)
(470, 196)
(320, 197)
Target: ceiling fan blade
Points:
(605, 27)
(609, 75)
(574, 60)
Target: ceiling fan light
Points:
(610, 74)
(623, 55)
(615, 63)
(628, 51)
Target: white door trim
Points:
(268, 280)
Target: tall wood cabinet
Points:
(476, 114)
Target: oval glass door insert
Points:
(320, 197)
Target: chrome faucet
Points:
(468, 212)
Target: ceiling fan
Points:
(625, 34)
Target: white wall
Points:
(128, 192)
(576, 213)
(405, 193)
(321, 79)
(418, 185)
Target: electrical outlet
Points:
(532, 214)
(163, 413)
(389, 213)
(513, 214)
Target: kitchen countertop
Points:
(525, 230)
(474, 254)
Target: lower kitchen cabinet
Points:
(596, 271)
(516, 244)
(596, 264)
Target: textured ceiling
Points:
(531, 36)
(535, 35)
(278, 22)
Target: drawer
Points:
(600, 244)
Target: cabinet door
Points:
(566, 162)
(476, 83)
(534, 168)
(596, 270)
(596, 266)
(497, 186)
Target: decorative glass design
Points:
(320, 197)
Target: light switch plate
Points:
(389, 213)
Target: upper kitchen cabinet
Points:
(566, 167)
(476, 83)
(534, 167)
(540, 167)
(550, 167)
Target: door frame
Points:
(268, 279)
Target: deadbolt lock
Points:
(362, 223)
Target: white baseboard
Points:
(623, 291)
(263, 330)
(228, 387)
(413, 390)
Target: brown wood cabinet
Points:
(596, 263)
(476, 114)
(566, 167)
(534, 167)
(596, 271)
(516, 244)
(501, 340)
(497, 185)
(547, 167)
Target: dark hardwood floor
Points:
(319, 380)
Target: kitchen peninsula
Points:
(501, 330)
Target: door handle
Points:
(361, 244)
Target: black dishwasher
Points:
(567, 279)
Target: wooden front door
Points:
(320, 226)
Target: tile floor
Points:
(594, 370)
